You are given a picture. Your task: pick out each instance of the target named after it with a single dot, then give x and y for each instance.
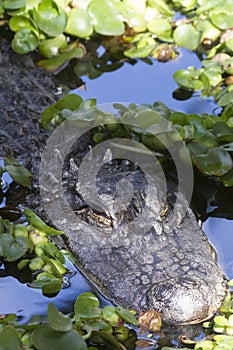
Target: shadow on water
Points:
(139, 83)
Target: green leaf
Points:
(17, 23)
(161, 6)
(221, 19)
(109, 341)
(186, 79)
(50, 21)
(9, 339)
(139, 52)
(161, 27)
(226, 99)
(18, 173)
(71, 101)
(52, 287)
(87, 306)
(79, 23)
(107, 20)
(186, 36)
(57, 320)
(215, 162)
(13, 4)
(126, 315)
(24, 41)
(39, 225)
(221, 321)
(59, 62)
(44, 338)
(17, 248)
(5, 241)
(51, 47)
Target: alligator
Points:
(171, 268)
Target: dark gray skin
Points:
(172, 268)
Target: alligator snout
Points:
(184, 300)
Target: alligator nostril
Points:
(180, 300)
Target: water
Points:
(140, 83)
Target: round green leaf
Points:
(18, 173)
(44, 338)
(126, 315)
(186, 36)
(50, 21)
(17, 23)
(139, 52)
(215, 162)
(106, 19)
(57, 320)
(9, 339)
(79, 23)
(24, 41)
(137, 20)
(160, 27)
(221, 19)
(87, 306)
(50, 47)
(185, 79)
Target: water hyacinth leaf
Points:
(59, 62)
(39, 225)
(17, 248)
(229, 44)
(221, 129)
(214, 78)
(161, 6)
(186, 36)
(9, 339)
(18, 173)
(185, 79)
(107, 20)
(87, 306)
(51, 287)
(207, 30)
(221, 19)
(50, 47)
(161, 27)
(137, 20)
(205, 345)
(225, 99)
(5, 241)
(49, 20)
(139, 52)
(227, 179)
(71, 101)
(126, 315)
(109, 341)
(13, 4)
(79, 23)
(57, 320)
(17, 23)
(215, 162)
(24, 41)
(45, 337)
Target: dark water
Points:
(141, 83)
